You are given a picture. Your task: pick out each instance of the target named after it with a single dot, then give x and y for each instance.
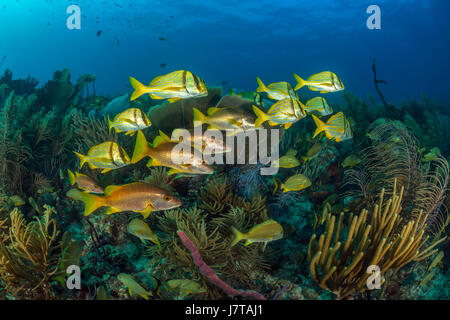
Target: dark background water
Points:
(233, 41)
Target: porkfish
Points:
(277, 90)
(129, 121)
(284, 112)
(336, 128)
(137, 197)
(174, 86)
(318, 106)
(107, 156)
(162, 153)
(324, 82)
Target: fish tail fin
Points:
(199, 116)
(237, 236)
(276, 186)
(261, 116)
(139, 89)
(82, 159)
(261, 86)
(71, 177)
(109, 124)
(91, 201)
(141, 148)
(320, 125)
(300, 82)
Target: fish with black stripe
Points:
(129, 121)
(284, 112)
(174, 86)
(277, 90)
(324, 82)
(336, 128)
(107, 156)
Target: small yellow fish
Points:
(106, 156)
(184, 287)
(288, 160)
(324, 82)
(277, 90)
(313, 152)
(267, 231)
(173, 86)
(351, 161)
(231, 119)
(296, 183)
(254, 97)
(140, 229)
(137, 197)
(337, 127)
(161, 155)
(284, 112)
(133, 286)
(17, 200)
(129, 121)
(436, 260)
(84, 182)
(318, 106)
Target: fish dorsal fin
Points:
(111, 189)
(155, 80)
(291, 152)
(162, 138)
(212, 110)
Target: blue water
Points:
(231, 42)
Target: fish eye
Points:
(167, 198)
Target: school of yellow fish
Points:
(144, 198)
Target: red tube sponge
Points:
(210, 274)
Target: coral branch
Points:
(211, 275)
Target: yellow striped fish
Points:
(107, 156)
(173, 86)
(277, 90)
(337, 127)
(284, 112)
(296, 183)
(288, 160)
(324, 82)
(318, 106)
(129, 121)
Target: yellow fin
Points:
(212, 110)
(261, 86)
(198, 115)
(173, 171)
(248, 242)
(106, 170)
(153, 163)
(320, 125)
(139, 89)
(110, 189)
(261, 116)
(91, 202)
(71, 177)
(146, 212)
(144, 296)
(173, 99)
(237, 236)
(82, 159)
(272, 123)
(300, 82)
(287, 125)
(112, 210)
(141, 149)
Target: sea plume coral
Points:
(340, 257)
